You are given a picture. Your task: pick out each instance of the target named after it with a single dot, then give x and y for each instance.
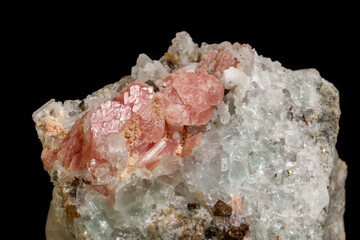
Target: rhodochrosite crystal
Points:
(210, 142)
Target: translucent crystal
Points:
(210, 142)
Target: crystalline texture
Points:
(210, 142)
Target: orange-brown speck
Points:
(132, 131)
(171, 57)
(53, 127)
(157, 103)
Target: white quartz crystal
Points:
(271, 142)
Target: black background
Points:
(67, 52)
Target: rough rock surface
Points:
(210, 142)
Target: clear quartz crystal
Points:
(268, 151)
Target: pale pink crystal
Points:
(216, 62)
(224, 61)
(148, 126)
(190, 97)
(207, 62)
(152, 124)
(190, 144)
(70, 153)
(110, 117)
(164, 148)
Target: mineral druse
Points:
(210, 142)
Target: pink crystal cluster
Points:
(153, 124)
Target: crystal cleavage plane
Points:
(210, 142)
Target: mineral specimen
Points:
(210, 142)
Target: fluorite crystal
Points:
(210, 142)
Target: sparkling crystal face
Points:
(210, 142)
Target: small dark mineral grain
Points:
(151, 83)
(221, 209)
(192, 206)
(82, 105)
(211, 231)
(236, 233)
